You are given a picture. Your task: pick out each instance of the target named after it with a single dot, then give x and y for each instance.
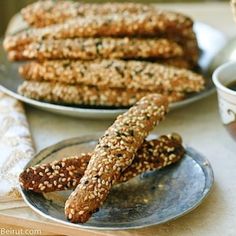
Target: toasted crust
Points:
(111, 156)
(105, 74)
(66, 173)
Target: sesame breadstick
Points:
(66, 173)
(155, 154)
(104, 74)
(114, 152)
(43, 13)
(191, 48)
(127, 48)
(178, 62)
(165, 25)
(93, 48)
(60, 93)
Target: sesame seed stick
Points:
(151, 106)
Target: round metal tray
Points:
(149, 199)
(10, 79)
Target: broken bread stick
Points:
(66, 173)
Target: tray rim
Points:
(198, 158)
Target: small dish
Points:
(222, 77)
(149, 199)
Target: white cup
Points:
(222, 77)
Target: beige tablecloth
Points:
(15, 145)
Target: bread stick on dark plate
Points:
(114, 152)
(66, 173)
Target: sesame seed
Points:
(42, 188)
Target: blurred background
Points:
(8, 8)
